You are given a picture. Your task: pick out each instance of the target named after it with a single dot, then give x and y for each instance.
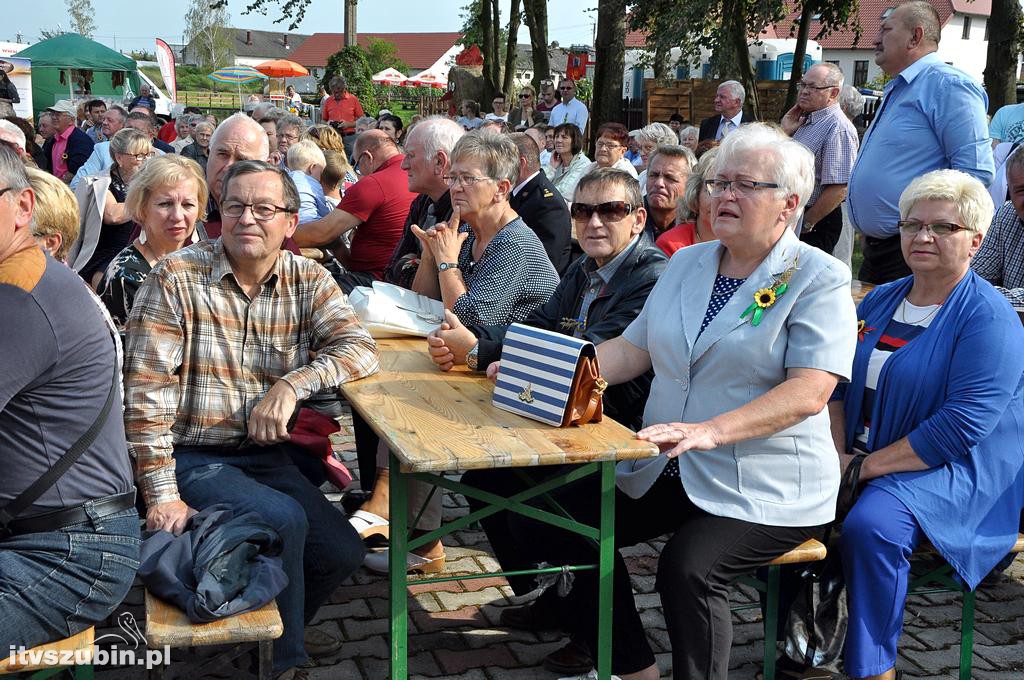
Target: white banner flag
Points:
(165, 58)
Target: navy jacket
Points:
(609, 314)
(544, 211)
(78, 150)
(221, 565)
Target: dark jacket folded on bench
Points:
(222, 564)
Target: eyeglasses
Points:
(139, 156)
(525, 95)
(261, 212)
(608, 146)
(609, 211)
(912, 227)
(740, 187)
(463, 180)
(807, 86)
(289, 138)
(4, 191)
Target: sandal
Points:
(368, 524)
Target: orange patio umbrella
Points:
(281, 68)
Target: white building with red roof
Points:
(964, 41)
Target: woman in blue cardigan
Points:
(936, 401)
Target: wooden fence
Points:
(694, 99)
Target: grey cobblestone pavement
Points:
(454, 631)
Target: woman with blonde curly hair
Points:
(55, 219)
(166, 199)
(328, 139)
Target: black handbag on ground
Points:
(818, 618)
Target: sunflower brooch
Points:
(766, 297)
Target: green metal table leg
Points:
(398, 507)
(771, 622)
(605, 571)
(967, 635)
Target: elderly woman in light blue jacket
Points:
(748, 336)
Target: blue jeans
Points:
(321, 549)
(55, 584)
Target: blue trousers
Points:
(879, 536)
(321, 549)
(55, 584)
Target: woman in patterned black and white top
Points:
(493, 269)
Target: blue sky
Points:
(133, 24)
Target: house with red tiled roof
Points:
(964, 41)
(419, 50)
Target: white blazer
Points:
(787, 479)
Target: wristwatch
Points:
(445, 266)
(471, 357)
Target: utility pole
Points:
(350, 23)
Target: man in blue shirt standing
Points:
(932, 117)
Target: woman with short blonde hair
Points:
(55, 218)
(167, 199)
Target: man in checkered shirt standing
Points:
(818, 123)
(1000, 260)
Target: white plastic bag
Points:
(387, 310)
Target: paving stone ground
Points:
(453, 631)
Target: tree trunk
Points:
(508, 82)
(799, 51)
(537, 22)
(662, 69)
(610, 45)
(736, 17)
(490, 57)
(1001, 69)
(495, 43)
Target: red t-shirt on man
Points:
(381, 200)
(347, 108)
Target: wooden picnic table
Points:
(435, 422)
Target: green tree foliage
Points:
(382, 54)
(82, 17)
(208, 34)
(294, 10)
(352, 63)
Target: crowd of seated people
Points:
(726, 341)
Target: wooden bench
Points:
(81, 645)
(931, 574)
(168, 625)
(811, 550)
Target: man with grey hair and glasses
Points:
(729, 113)
(220, 352)
(818, 122)
(69, 530)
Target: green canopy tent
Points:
(71, 66)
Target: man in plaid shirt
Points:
(818, 123)
(221, 347)
(1000, 260)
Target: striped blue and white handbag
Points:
(549, 377)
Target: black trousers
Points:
(505, 482)
(702, 556)
(825, 234)
(883, 260)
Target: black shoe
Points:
(572, 659)
(534, 616)
(353, 500)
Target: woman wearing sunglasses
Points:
(747, 337)
(568, 162)
(935, 402)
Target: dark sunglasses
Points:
(610, 211)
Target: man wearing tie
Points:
(728, 112)
(932, 117)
